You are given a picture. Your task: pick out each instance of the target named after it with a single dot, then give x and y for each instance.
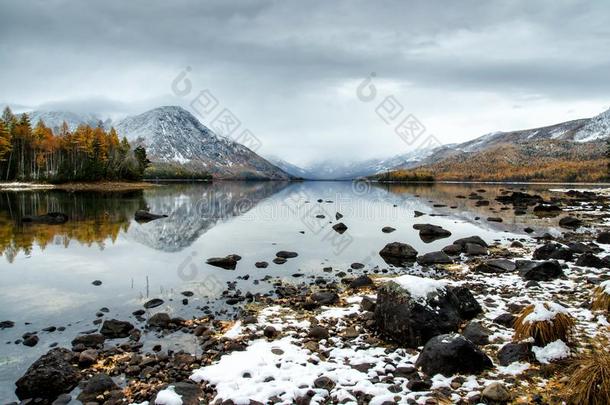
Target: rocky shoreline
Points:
(441, 327)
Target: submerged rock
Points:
(228, 262)
(155, 302)
(340, 227)
(450, 354)
(6, 324)
(48, 377)
(286, 254)
(429, 233)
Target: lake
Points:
(46, 271)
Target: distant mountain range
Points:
(547, 148)
(173, 136)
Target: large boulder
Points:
(451, 354)
(398, 254)
(539, 271)
(114, 329)
(48, 377)
(411, 319)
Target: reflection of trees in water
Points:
(93, 218)
(194, 209)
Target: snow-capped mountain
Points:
(172, 135)
(332, 170)
(55, 119)
(291, 169)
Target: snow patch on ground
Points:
(168, 397)
(553, 351)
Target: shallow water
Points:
(46, 271)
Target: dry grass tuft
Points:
(601, 300)
(543, 332)
(589, 382)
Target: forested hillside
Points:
(32, 151)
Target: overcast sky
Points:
(289, 70)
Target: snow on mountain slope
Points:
(330, 169)
(172, 135)
(289, 168)
(597, 128)
(55, 119)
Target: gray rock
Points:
(496, 392)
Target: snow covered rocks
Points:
(451, 354)
(410, 310)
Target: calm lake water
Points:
(46, 271)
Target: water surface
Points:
(46, 271)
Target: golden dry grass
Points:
(589, 379)
(601, 300)
(543, 332)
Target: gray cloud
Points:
(289, 69)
